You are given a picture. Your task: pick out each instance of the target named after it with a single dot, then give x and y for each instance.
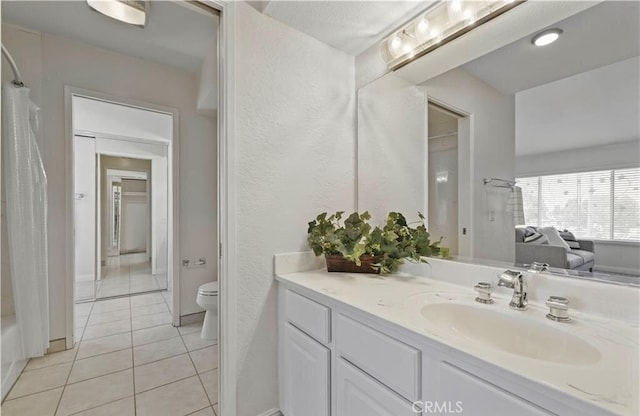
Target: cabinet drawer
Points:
(360, 395)
(391, 362)
(311, 317)
(480, 397)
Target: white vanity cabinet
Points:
(336, 360)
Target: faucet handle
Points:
(484, 292)
(558, 309)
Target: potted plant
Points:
(354, 246)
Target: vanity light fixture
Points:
(547, 37)
(443, 22)
(133, 12)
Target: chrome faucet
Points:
(515, 280)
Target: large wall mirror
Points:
(526, 154)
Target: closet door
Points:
(306, 378)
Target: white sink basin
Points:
(513, 334)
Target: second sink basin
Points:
(515, 335)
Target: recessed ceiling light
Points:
(133, 12)
(547, 37)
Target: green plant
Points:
(355, 237)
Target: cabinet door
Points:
(472, 395)
(306, 375)
(361, 395)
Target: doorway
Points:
(122, 187)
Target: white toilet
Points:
(208, 300)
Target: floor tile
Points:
(100, 365)
(154, 334)
(156, 308)
(147, 353)
(215, 409)
(148, 299)
(78, 333)
(179, 398)
(95, 392)
(102, 318)
(162, 372)
(102, 306)
(191, 328)
(210, 382)
(104, 345)
(148, 321)
(204, 412)
(81, 320)
(103, 330)
(36, 381)
(205, 359)
(40, 404)
(122, 407)
(194, 341)
(52, 359)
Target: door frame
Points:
(173, 157)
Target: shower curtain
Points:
(26, 217)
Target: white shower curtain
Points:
(26, 217)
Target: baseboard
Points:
(271, 412)
(192, 318)
(57, 345)
(614, 269)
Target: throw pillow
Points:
(536, 238)
(574, 245)
(567, 236)
(554, 237)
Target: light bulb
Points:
(422, 26)
(456, 5)
(396, 42)
(468, 16)
(435, 34)
(406, 48)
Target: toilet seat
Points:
(208, 289)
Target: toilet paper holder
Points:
(191, 263)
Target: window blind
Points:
(602, 205)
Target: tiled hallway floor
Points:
(125, 274)
(130, 361)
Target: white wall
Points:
(611, 156)
(492, 154)
(295, 144)
(121, 120)
(617, 257)
(392, 148)
(67, 62)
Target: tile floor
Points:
(129, 361)
(125, 274)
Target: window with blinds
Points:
(602, 205)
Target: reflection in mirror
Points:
(527, 154)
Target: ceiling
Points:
(606, 33)
(350, 26)
(594, 108)
(175, 35)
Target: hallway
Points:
(123, 275)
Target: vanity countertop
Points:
(610, 383)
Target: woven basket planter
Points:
(337, 263)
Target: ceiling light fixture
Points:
(133, 12)
(441, 23)
(547, 37)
